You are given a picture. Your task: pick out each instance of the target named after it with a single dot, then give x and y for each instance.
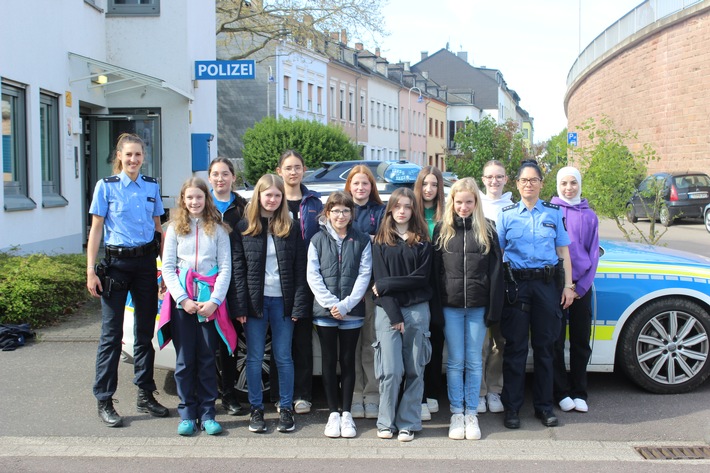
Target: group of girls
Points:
(384, 286)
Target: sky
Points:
(532, 42)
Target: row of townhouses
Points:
(76, 74)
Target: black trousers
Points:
(432, 371)
(228, 363)
(578, 317)
(338, 346)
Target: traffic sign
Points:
(572, 139)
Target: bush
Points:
(38, 289)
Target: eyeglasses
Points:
(343, 213)
(533, 180)
(499, 177)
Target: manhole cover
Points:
(674, 453)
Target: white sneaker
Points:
(433, 405)
(456, 428)
(372, 410)
(405, 435)
(347, 426)
(580, 405)
(385, 433)
(302, 407)
(357, 410)
(494, 404)
(426, 415)
(567, 404)
(481, 405)
(332, 428)
(473, 432)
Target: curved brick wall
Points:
(656, 84)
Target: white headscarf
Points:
(574, 172)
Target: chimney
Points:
(334, 36)
(463, 55)
(344, 36)
(377, 52)
(425, 54)
(359, 46)
(406, 66)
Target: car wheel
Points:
(631, 214)
(664, 346)
(664, 216)
(707, 220)
(240, 384)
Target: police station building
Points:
(75, 75)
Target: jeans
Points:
(281, 335)
(465, 332)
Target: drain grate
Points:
(674, 453)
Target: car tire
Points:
(707, 220)
(664, 216)
(631, 214)
(240, 383)
(664, 346)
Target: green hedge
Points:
(38, 289)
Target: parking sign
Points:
(572, 139)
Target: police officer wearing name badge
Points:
(127, 206)
(538, 285)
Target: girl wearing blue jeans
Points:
(468, 264)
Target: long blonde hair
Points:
(417, 227)
(479, 225)
(211, 218)
(280, 223)
(123, 139)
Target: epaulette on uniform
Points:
(552, 206)
(509, 207)
(150, 179)
(112, 179)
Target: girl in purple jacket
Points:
(570, 389)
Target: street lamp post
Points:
(409, 118)
(268, 92)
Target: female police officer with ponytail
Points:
(533, 237)
(127, 207)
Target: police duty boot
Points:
(108, 414)
(147, 403)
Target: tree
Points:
(264, 143)
(556, 149)
(612, 173)
(248, 26)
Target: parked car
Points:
(651, 319)
(706, 218)
(683, 195)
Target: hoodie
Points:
(583, 229)
(491, 207)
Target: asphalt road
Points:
(48, 421)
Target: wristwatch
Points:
(572, 286)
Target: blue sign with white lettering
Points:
(572, 139)
(225, 70)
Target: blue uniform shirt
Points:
(529, 238)
(128, 208)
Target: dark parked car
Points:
(337, 171)
(683, 195)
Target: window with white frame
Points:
(310, 97)
(299, 94)
(286, 92)
(332, 102)
(362, 109)
(341, 114)
(49, 150)
(372, 112)
(351, 106)
(14, 148)
(319, 98)
(133, 8)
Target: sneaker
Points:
(286, 422)
(385, 433)
(147, 403)
(426, 415)
(186, 427)
(433, 405)
(357, 410)
(494, 404)
(256, 423)
(347, 426)
(456, 428)
(108, 414)
(332, 428)
(481, 405)
(473, 432)
(580, 405)
(372, 411)
(405, 435)
(232, 406)
(302, 407)
(567, 404)
(211, 426)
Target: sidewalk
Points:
(82, 326)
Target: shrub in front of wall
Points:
(38, 289)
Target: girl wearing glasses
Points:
(338, 272)
(533, 237)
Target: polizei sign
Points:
(224, 70)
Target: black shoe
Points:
(256, 423)
(547, 418)
(512, 420)
(147, 403)
(286, 423)
(232, 406)
(108, 414)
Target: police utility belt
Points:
(547, 273)
(132, 252)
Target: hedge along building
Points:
(68, 92)
(650, 73)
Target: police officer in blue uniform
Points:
(536, 256)
(127, 206)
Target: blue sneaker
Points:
(211, 426)
(186, 427)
